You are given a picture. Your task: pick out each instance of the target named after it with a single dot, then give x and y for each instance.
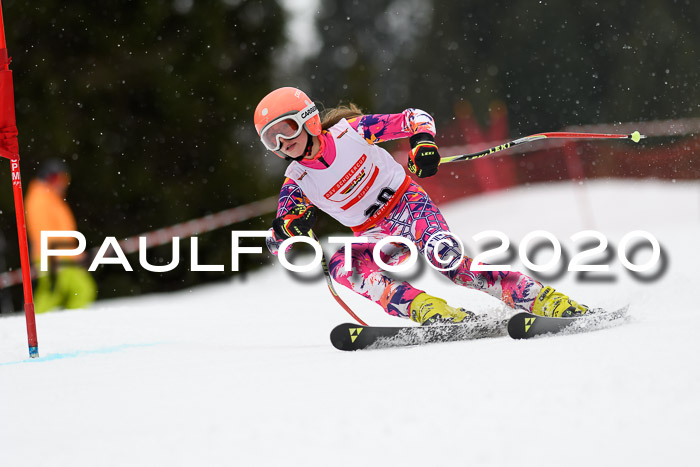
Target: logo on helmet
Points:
(308, 112)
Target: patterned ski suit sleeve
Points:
(290, 196)
(378, 128)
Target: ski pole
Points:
(331, 287)
(635, 136)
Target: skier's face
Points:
(295, 147)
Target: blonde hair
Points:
(331, 116)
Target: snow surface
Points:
(244, 374)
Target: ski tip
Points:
(518, 325)
(344, 335)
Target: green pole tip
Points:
(636, 136)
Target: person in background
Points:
(67, 283)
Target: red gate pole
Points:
(24, 260)
(10, 151)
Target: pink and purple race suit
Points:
(401, 208)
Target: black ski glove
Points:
(297, 222)
(424, 159)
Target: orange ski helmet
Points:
(282, 114)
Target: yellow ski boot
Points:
(427, 310)
(549, 302)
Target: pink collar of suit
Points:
(326, 150)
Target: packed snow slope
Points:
(243, 373)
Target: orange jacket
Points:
(46, 210)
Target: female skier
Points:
(336, 166)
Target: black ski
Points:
(355, 337)
(525, 325)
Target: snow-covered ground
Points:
(244, 373)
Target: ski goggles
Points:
(286, 127)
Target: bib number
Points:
(384, 195)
